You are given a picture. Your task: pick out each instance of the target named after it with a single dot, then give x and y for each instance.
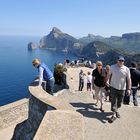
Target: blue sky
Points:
(75, 17)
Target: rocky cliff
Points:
(31, 46)
(57, 40)
(94, 47)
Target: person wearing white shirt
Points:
(89, 81)
(119, 74)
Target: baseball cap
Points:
(121, 58)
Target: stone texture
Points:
(13, 113)
(40, 102)
(61, 125)
(27, 129)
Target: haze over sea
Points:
(16, 70)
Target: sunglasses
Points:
(121, 60)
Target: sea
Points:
(16, 70)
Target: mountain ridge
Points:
(94, 47)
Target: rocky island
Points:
(31, 46)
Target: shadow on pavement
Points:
(89, 110)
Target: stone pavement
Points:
(96, 122)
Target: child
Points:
(89, 81)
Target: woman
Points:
(99, 77)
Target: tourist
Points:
(44, 74)
(99, 81)
(135, 77)
(119, 74)
(107, 87)
(89, 81)
(81, 80)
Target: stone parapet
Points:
(13, 113)
(43, 105)
(61, 125)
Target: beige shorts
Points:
(99, 93)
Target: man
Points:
(119, 74)
(135, 77)
(44, 74)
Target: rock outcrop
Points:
(57, 40)
(31, 46)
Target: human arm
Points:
(129, 84)
(40, 76)
(108, 75)
(139, 82)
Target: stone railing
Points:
(13, 113)
(61, 122)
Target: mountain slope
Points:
(57, 40)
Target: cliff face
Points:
(94, 47)
(57, 40)
(129, 42)
(132, 36)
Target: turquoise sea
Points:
(16, 70)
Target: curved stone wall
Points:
(39, 108)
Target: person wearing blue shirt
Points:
(44, 74)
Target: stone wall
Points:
(13, 113)
(43, 105)
(61, 125)
(27, 129)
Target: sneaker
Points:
(118, 115)
(112, 119)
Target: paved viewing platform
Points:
(96, 126)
